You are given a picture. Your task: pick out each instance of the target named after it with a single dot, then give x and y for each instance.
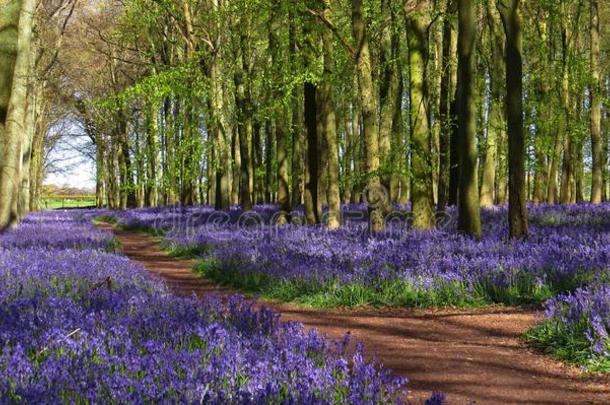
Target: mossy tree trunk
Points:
(417, 16)
(469, 220)
(376, 196)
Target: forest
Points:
(250, 102)
(356, 155)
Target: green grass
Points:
(522, 290)
(568, 344)
(185, 252)
(333, 294)
(114, 246)
(55, 203)
(110, 219)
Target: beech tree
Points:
(469, 220)
(316, 103)
(517, 209)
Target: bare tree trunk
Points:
(389, 97)
(152, 160)
(469, 220)
(221, 141)
(26, 152)
(417, 21)
(310, 109)
(37, 166)
(375, 194)
(444, 115)
(9, 28)
(567, 174)
(497, 110)
(311, 166)
(244, 126)
(595, 92)
(517, 209)
(330, 127)
(14, 125)
(297, 128)
(236, 159)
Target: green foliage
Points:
(522, 290)
(185, 251)
(54, 203)
(567, 344)
(184, 80)
(110, 219)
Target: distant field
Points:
(67, 202)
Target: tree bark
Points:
(330, 127)
(444, 111)
(595, 93)
(389, 98)
(244, 127)
(375, 194)
(417, 21)
(312, 214)
(14, 124)
(496, 123)
(517, 209)
(9, 21)
(469, 220)
(152, 196)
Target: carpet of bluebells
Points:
(564, 263)
(80, 323)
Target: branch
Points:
(334, 30)
(59, 40)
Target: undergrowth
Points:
(386, 292)
(569, 344)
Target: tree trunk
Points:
(244, 127)
(389, 97)
(469, 220)
(444, 115)
(221, 133)
(311, 167)
(595, 93)
(14, 124)
(517, 209)
(297, 129)
(417, 21)
(152, 196)
(26, 152)
(330, 127)
(9, 21)
(236, 166)
(376, 196)
(37, 166)
(310, 109)
(496, 123)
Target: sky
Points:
(79, 175)
(69, 164)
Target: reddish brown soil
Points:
(472, 355)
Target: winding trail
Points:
(472, 355)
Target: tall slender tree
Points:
(469, 216)
(417, 14)
(376, 195)
(595, 92)
(517, 209)
(15, 119)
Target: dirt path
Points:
(472, 355)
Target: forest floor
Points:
(469, 354)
